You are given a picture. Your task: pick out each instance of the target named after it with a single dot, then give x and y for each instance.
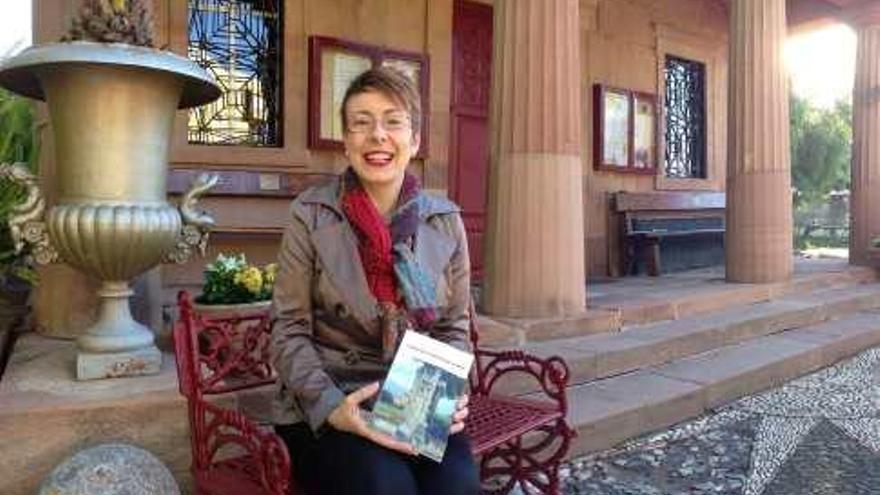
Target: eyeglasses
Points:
(362, 124)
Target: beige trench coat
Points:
(326, 339)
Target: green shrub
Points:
(18, 143)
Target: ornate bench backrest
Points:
(216, 356)
(220, 355)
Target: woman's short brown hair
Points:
(394, 85)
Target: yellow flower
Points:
(115, 5)
(271, 269)
(251, 279)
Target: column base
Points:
(99, 365)
(535, 247)
(758, 242)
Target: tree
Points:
(821, 141)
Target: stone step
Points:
(608, 411)
(676, 299)
(645, 300)
(507, 332)
(600, 356)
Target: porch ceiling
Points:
(802, 13)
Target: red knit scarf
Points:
(375, 236)
(374, 245)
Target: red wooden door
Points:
(469, 112)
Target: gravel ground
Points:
(816, 435)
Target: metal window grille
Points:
(685, 109)
(239, 42)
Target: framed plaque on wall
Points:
(333, 64)
(624, 130)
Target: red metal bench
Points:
(517, 439)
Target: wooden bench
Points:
(516, 439)
(648, 218)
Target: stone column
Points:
(758, 243)
(535, 230)
(865, 197)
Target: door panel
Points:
(469, 111)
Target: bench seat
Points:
(497, 420)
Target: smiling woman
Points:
(367, 257)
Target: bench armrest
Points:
(219, 430)
(551, 373)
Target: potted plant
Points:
(234, 287)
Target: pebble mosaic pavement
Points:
(815, 435)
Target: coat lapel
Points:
(336, 245)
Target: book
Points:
(418, 397)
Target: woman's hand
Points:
(347, 417)
(459, 416)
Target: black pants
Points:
(338, 463)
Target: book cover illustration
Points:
(418, 397)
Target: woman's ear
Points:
(416, 141)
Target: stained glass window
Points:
(239, 42)
(685, 106)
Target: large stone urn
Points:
(112, 109)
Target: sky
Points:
(821, 62)
(15, 25)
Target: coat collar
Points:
(336, 245)
(329, 195)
